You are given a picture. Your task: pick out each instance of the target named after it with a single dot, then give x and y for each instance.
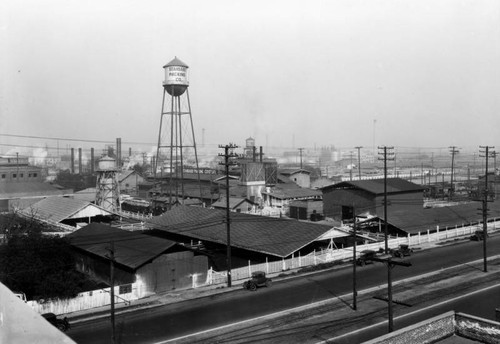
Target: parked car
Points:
(478, 236)
(402, 251)
(61, 324)
(366, 257)
(258, 279)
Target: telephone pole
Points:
(485, 152)
(354, 286)
(387, 154)
(359, 161)
(228, 154)
(111, 257)
(300, 152)
(453, 151)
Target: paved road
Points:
(172, 321)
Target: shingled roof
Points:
(276, 237)
(131, 249)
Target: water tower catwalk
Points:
(176, 155)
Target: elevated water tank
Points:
(106, 163)
(176, 77)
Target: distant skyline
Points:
(290, 74)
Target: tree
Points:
(41, 266)
(76, 182)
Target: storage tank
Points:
(176, 77)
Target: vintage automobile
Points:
(402, 251)
(258, 279)
(61, 324)
(366, 257)
(478, 236)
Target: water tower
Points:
(176, 155)
(107, 189)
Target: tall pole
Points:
(359, 161)
(485, 204)
(17, 164)
(354, 291)
(227, 155)
(111, 258)
(453, 151)
(300, 152)
(385, 158)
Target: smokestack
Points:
(72, 160)
(79, 161)
(92, 162)
(254, 153)
(129, 151)
(261, 154)
(118, 152)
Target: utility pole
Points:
(228, 153)
(359, 161)
(300, 152)
(354, 263)
(453, 151)
(111, 258)
(486, 154)
(385, 157)
(350, 167)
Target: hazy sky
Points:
(301, 73)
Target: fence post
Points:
(267, 266)
(419, 237)
(284, 265)
(437, 231)
(249, 268)
(314, 255)
(428, 236)
(409, 239)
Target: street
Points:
(176, 320)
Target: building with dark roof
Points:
(66, 211)
(281, 195)
(152, 264)
(403, 222)
(257, 235)
(367, 197)
(298, 176)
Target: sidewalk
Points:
(189, 294)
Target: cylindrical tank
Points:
(176, 77)
(106, 163)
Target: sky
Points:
(414, 73)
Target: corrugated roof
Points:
(58, 209)
(290, 171)
(376, 186)
(421, 219)
(277, 237)
(131, 249)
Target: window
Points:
(29, 175)
(14, 175)
(125, 289)
(22, 175)
(35, 175)
(3, 176)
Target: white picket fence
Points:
(327, 256)
(83, 301)
(101, 297)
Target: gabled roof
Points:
(131, 249)
(420, 219)
(276, 237)
(125, 174)
(293, 191)
(233, 202)
(376, 186)
(58, 209)
(290, 171)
